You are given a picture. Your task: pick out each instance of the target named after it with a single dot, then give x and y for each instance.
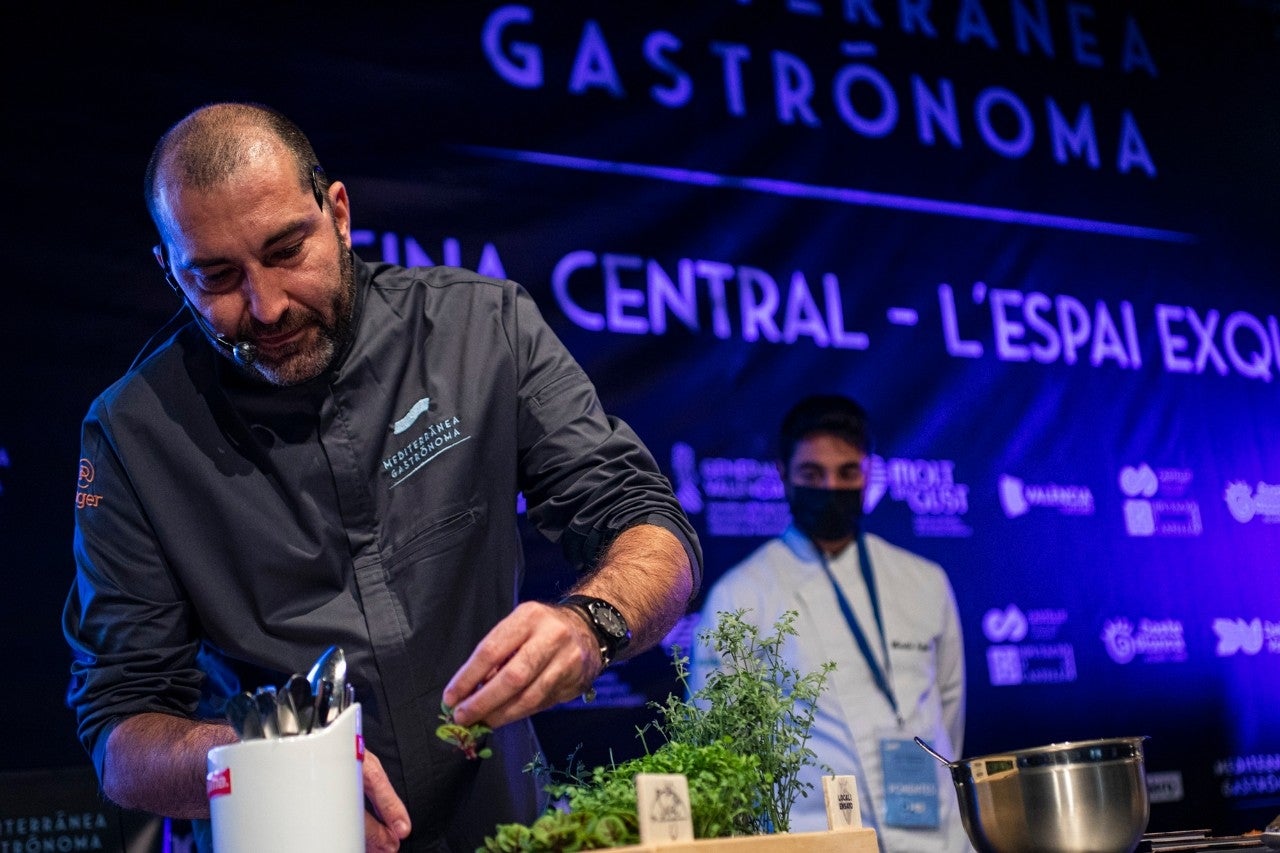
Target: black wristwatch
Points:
(610, 628)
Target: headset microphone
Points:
(245, 353)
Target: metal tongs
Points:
(300, 706)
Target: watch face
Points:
(607, 619)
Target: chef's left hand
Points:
(538, 656)
(386, 822)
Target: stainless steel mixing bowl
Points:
(1074, 797)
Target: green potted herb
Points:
(757, 703)
(740, 741)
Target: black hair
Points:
(831, 413)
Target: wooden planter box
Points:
(836, 841)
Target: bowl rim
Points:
(1066, 752)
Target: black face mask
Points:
(826, 515)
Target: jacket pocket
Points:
(438, 536)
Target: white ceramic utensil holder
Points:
(303, 793)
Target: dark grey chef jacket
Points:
(228, 531)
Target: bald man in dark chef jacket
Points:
(328, 451)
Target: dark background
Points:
(445, 162)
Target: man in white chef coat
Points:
(886, 617)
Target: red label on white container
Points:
(359, 747)
(218, 783)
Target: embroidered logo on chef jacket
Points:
(437, 438)
(416, 411)
(84, 481)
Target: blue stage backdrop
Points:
(1037, 239)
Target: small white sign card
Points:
(662, 805)
(841, 795)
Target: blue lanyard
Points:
(880, 675)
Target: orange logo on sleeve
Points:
(84, 480)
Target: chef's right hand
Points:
(386, 823)
(539, 655)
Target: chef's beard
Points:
(332, 336)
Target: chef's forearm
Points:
(646, 574)
(157, 763)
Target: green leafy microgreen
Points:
(467, 738)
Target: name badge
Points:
(910, 784)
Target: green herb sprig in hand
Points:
(469, 739)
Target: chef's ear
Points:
(341, 205)
(158, 251)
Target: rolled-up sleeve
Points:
(586, 475)
(125, 618)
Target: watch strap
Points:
(587, 607)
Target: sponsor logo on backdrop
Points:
(1239, 636)
(1150, 641)
(1247, 503)
(1165, 786)
(1008, 624)
(684, 477)
(737, 497)
(1248, 776)
(1017, 498)
(745, 497)
(1156, 502)
(1025, 647)
(929, 488)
